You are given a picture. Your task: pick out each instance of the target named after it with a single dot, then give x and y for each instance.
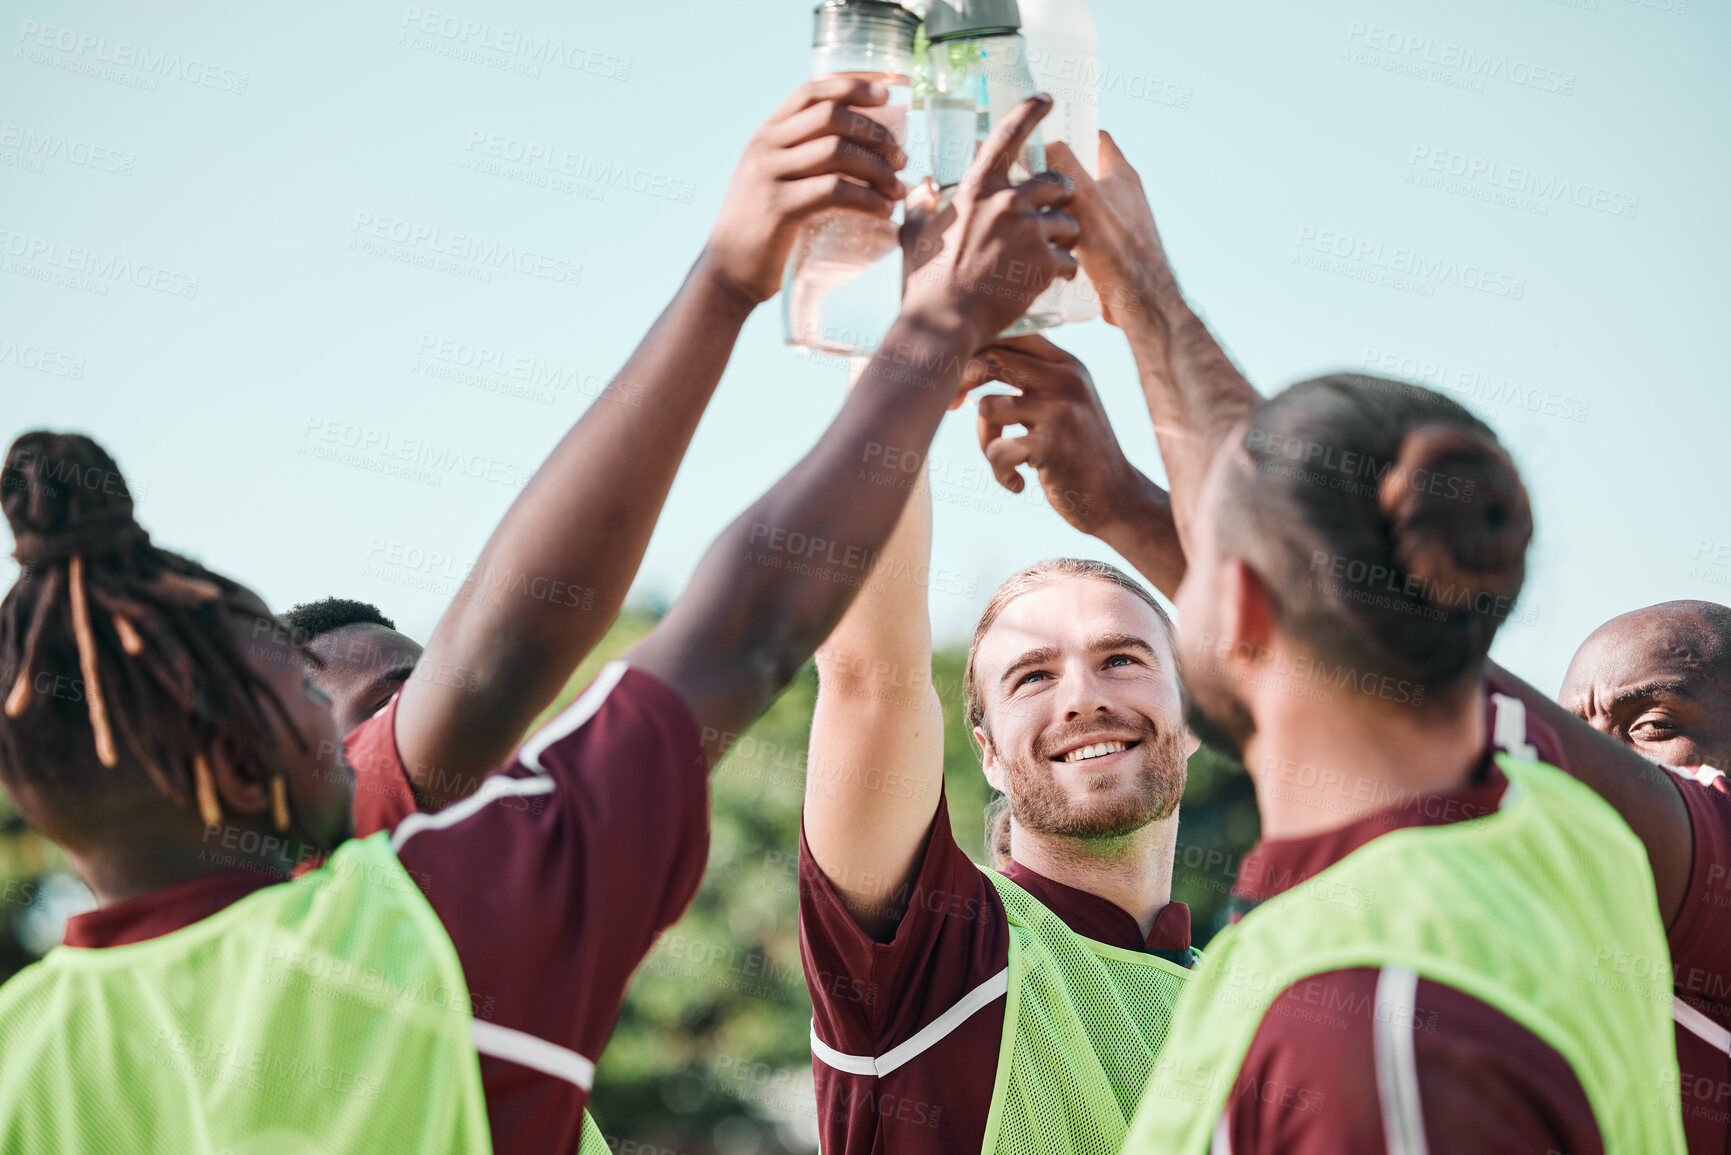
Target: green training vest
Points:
(1082, 1027)
(1544, 910)
(323, 1016)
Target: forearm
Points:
(1144, 533)
(554, 573)
(885, 637)
(1643, 793)
(876, 762)
(779, 579)
(1193, 391)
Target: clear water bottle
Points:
(977, 66)
(842, 288)
(1064, 56)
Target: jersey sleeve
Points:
(951, 938)
(383, 796)
(554, 880)
(1700, 937)
(871, 997)
(1345, 1061)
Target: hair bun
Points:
(64, 496)
(1458, 516)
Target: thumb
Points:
(1085, 194)
(1112, 159)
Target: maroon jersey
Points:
(383, 796)
(906, 1034)
(1700, 940)
(553, 881)
(1320, 1074)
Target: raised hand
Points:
(584, 522)
(1120, 249)
(1068, 442)
(982, 259)
(1195, 394)
(816, 152)
(1070, 445)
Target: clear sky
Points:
(197, 265)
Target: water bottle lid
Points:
(947, 19)
(836, 21)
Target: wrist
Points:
(719, 291)
(947, 326)
(1153, 307)
(925, 350)
(1134, 503)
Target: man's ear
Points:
(241, 788)
(989, 760)
(1191, 742)
(1246, 613)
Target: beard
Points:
(1212, 713)
(1039, 803)
(1226, 731)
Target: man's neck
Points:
(121, 871)
(1133, 872)
(1318, 769)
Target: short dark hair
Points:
(310, 619)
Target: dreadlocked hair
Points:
(119, 663)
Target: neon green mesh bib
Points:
(1082, 1027)
(1544, 910)
(323, 1016)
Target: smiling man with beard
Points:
(1019, 1009)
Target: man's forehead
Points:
(1070, 613)
(1647, 648)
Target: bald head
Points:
(1659, 681)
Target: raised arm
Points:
(1643, 792)
(1070, 445)
(777, 581)
(1194, 392)
(1196, 396)
(555, 572)
(876, 764)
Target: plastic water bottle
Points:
(977, 66)
(1064, 56)
(842, 287)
